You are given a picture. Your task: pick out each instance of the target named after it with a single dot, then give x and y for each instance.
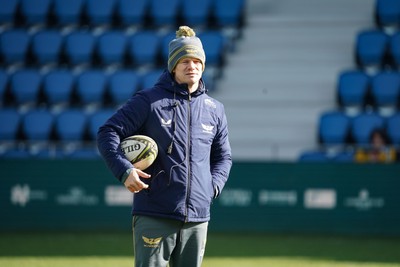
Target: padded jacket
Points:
(194, 157)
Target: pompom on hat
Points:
(186, 44)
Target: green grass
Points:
(115, 249)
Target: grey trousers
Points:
(159, 241)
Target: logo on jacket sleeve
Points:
(207, 128)
(151, 242)
(166, 123)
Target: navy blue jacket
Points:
(194, 128)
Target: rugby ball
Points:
(140, 150)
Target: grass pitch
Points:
(233, 250)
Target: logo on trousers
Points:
(151, 242)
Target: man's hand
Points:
(133, 182)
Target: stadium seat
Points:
(58, 86)
(165, 40)
(35, 12)
(25, 86)
(385, 89)
(229, 13)
(164, 13)
(394, 48)
(387, 13)
(37, 125)
(68, 13)
(334, 127)
(362, 126)
(144, 48)
(79, 47)
(70, 125)
(9, 123)
(150, 78)
(393, 128)
(100, 12)
(8, 10)
(313, 156)
(3, 85)
(96, 120)
(84, 153)
(196, 13)
(344, 156)
(16, 153)
(46, 47)
(371, 49)
(14, 45)
(122, 85)
(132, 12)
(111, 47)
(214, 45)
(91, 87)
(352, 90)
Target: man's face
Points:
(188, 70)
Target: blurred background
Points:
(311, 90)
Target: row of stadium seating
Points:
(387, 15)
(125, 13)
(111, 47)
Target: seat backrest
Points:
(163, 12)
(352, 88)
(9, 123)
(46, 46)
(395, 49)
(79, 47)
(132, 12)
(371, 46)
(70, 125)
(196, 13)
(25, 86)
(35, 11)
(68, 12)
(100, 12)
(385, 88)
(228, 12)
(144, 47)
(334, 128)
(14, 45)
(111, 47)
(363, 125)
(37, 125)
(214, 46)
(165, 40)
(58, 86)
(91, 86)
(393, 128)
(150, 78)
(388, 12)
(122, 85)
(8, 10)
(96, 120)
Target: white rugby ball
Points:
(140, 150)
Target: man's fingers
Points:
(143, 174)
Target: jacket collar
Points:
(167, 82)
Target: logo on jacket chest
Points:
(166, 123)
(207, 128)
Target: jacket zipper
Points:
(188, 158)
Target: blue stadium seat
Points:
(164, 13)
(37, 125)
(9, 123)
(385, 89)
(79, 47)
(111, 47)
(387, 13)
(196, 13)
(84, 153)
(14, 45)
(70, 125)
(3, 85)
(150, 78)
(344, 156)
(25, 86)
(58, 86)
(352, 89)
(132, 12)
(16, 153)
(96, 120)
(144, 47)
(393, 128)
(229, 13)
(122, 85)
(214, 45)
(334, 127)
(165, 40)
(8, 10)
(394, 48)
(35, 12)
(362, 126)
(100, 12)
(46, 47)
(313, 156)
(371, 49)
(68, 13)
(91, 87)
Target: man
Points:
(171, 206)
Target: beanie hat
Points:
(186, 44)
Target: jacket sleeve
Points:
(127, 121)
(221, 158)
